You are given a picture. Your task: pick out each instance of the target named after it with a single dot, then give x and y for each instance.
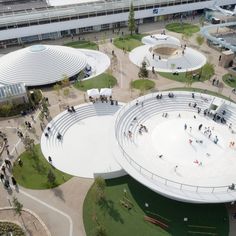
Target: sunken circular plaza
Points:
(181, 146)
(165, 53)
(46, 64)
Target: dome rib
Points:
(41, 65)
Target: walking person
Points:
(185, 126)
(2, 177)
(8, 152)
(4, 170)
(49, 159)
(216, 140)
(175, 168)
(13, 180)
(200, 127)
(8, 163)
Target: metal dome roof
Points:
(40, 65)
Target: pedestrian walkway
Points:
(68, 198)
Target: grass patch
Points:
(143, 84)
(82, 44)
(128, 42)
(182, 77)
(7, 227)
(101, 81)
(117, 220)
(229, 80)
(182, 28)
(198, 90)
(33, 173)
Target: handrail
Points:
(144, 171)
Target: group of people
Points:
(171, 95)
(71, 109)
(20, 134)
(7, 165)
(215, 82)
(28, 125)
(103, 99)
(142, 128)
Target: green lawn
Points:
(117, 220)
(33, 173)
(181, 77)
(202, 91)
(82, 44)
(182, 28)
(229, 80)
(143, 84)
(101, 81)
(128, 42)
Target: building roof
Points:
(41, 65)
(12, 90)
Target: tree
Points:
(173, 66)
(51, 177)
(29, 144)
(189, 80)
(186, 36)
(131, 19)
(65, 81)
(6, 108)
(41, 116)
(202, 20)
(200, 40)
(66, 92)
(100, 185)
(208, 70)
(143, 72)
(80, 77)
(57, 89)
(45, 105)
(17, 206)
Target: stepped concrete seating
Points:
(152, 107)
(66, 119)
(190, 61)
(85, 149)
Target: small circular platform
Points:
(165, 53)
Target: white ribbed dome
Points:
(40, 64)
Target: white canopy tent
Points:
(106, 92)
(93, 93)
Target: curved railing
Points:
(205, 32)
(146, 172)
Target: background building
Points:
(40, 20)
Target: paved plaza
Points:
(61, 208)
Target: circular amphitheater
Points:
(165, 53)
(178, 155)
(86, 147)
(46, 64)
